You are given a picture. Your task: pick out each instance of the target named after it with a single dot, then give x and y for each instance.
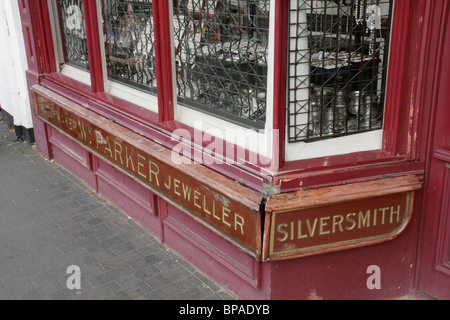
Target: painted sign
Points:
(193, 188)
(337, 218)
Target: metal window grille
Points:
(73, 33)
(130, 42)
(338, 52)
(221, 57)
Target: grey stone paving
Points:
(50, 220)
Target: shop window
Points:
(221, 50)
(228, 60)
(338, 56)
(73, 33)
(130, 43)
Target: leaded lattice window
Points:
(130, 42)
(221, 52)
(338, 52)
(73, 33)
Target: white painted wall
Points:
(14, 96)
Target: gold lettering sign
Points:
(229, 208)
(331, 219)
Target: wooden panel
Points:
(434, 274)
(70, 147)
(127, 186)
(214, 256)
(71, 156)
(137, 201)
(442, 263)
(337, 218)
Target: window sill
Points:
(341, 169)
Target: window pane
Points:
(130, 42)
(221, 52)
(337, 66)
(73, 33)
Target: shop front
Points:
(292, 149)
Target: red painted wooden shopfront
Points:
(276, 224)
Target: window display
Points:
(337, 67)
(130, 43)
(221, 52)
(73, 33)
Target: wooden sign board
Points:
(337, 218)
(221, 204)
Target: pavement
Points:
(59, 240)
